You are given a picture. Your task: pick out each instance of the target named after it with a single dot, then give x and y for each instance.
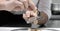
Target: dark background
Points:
(8, 19)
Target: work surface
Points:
(25, 28)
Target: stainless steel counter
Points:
(26, 29)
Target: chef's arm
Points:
(45, 8)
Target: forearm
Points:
(46, 12)
(44, 18)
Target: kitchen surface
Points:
(25, 29)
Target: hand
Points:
(30, 16)
(31, 11)
(11, 5)
(18, 5)
(15, 5)
(28, 4)
(2, 4)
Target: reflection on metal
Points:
(34, 30)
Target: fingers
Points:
(32, 5)
(28, 3)
(15, 5)
(23, 6)
(25, 2)
(19, 6)
(30, 13)
(25, 17)
(27, 14)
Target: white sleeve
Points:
(45, 6)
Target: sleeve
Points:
(45, 6)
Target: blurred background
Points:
(53, 22)
(55, 18)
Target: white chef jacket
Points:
(45, 6)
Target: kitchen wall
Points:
(57, 4)
(55, 1)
